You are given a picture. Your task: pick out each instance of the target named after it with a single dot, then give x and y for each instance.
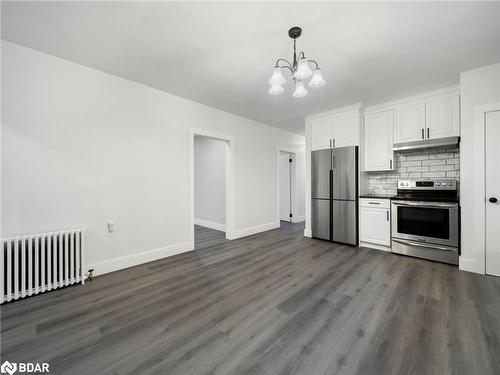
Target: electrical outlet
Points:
(110, 229)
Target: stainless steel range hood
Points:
(426, 143)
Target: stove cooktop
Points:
(403, 197)
(428, 191)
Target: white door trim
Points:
(229, 181)
(479, 205)
(293, 187)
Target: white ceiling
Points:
(222, 53)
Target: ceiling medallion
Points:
(299, 68)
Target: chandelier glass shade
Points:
(300, 90)
(300, 68)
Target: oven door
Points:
(430, 222)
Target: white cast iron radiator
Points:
(38, 263)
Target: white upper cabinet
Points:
(379, 127)
(335, 129)
(427, 117)
(409, 123)
(443, 117)
(346, 130)
(321, 133)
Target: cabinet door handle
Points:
(422, 133)
(428, 134)
(373, 202)
(333, 142)
(390, 162)
(330, 143)
(387, 212)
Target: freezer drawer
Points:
(320, 218)
(344, 222)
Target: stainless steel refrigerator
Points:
(334, 191)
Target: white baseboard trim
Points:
(374, 246)
(210, 224)
(307, 233)
(298, 219)
(470, 265)
(139, 258)
(238, 233)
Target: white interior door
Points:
(492, 160)
(285, 191)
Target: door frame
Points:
(293, 184)
(229, 179)
(479, 162)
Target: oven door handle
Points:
(428, 246)
(425, 204)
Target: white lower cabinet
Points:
(375, 223)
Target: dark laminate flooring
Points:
(272, 303)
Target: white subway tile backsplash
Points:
(442, 168)
(412, 163)
(417, 157)
(435, 161)
(417, 164)
(425, 168)
(434, 174)
(444, 155)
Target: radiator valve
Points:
(90, 274)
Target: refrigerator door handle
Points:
(331, 184)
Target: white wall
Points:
(81, 147)
(478, 87)
(209, 182)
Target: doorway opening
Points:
(211, 188)
(286, 187)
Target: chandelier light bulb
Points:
(277, 77)
(303, 69)
(317, 79)
(300, 90)
(275, 90)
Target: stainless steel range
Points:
(426, 220)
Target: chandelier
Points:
(299, 68)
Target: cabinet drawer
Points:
(375, 203)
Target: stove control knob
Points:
(450, 183)
(438, 183)
(406, 184)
